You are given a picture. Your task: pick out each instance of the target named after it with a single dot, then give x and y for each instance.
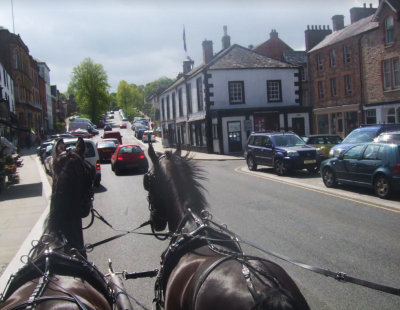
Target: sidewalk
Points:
(22, 206)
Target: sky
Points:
(140, 41)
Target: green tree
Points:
(89, 85)
(157, 86)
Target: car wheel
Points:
(313, 169)
(117, 170)
(280, 167)
(328, 176)
(382, 186)
(251, 164)
(112, 167)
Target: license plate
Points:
(310, 161)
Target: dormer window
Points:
(389, 30)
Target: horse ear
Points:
(152, 154)
(80, 147)
(60, 147)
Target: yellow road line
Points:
(372, 205)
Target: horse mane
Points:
(181, 176)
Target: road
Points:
(357, 235)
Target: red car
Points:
(123, 125)
(81, 133)
(128, 156)
(105, 150)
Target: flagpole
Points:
(12, 13)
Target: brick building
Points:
(335, 74)
(381, 67)
(14, 55)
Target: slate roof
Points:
(235, 57)
(239, 57)
(352, 30)
(295, 57)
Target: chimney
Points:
(187, 65)
(315, 34)
(338, 22)
(358, 13)
(226, 40)
(273, 34)
(208, 53)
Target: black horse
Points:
(204, 267)
(57, 274)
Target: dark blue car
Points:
(282, 151)
(364, 134)
(372, 165)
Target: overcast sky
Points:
(140, 41)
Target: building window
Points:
(199, 84)
(321, 93)
(173, 106)
(396, 72)
(274, 91)
(333, 88)
(162, 109)
(319, 62)
(167, 108)
(189, 97)
(346, 54)
(347, 85)
(370, 116)
(180, 102)
(323, 125)
(389, 30)
(332, 58)
(236, 92)
(386, 75)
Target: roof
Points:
(357, 28)
(239, 57)
(234, 57)
(393, 4)
(295, 57)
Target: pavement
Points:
(24, 206)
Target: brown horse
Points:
(57, 274)
(204, 267)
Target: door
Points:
(298, 126)
(234, 137)
(346, 168)
(371, 160)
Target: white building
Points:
(214, 107)
(44, 72)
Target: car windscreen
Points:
(333, 140)
(359, 136)
(288, 140)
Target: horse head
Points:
(173, 186)
(72, 193)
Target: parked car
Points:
(105, 149)
(113, 134)
(81, 133)
(91, 155)
(122, 126)
(388, 137)
(148, 136)
(139, 132)
(128, 156)
(283, 151)
(323, 142)
(107, 128)
(373, 165)
(363, 134)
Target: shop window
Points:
(391, 116)
(333, 123)
(351, 121)
(322, 123)
(370, 116)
